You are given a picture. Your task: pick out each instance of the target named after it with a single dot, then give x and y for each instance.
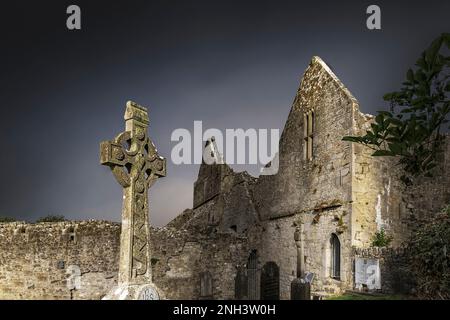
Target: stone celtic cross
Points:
(136, 165)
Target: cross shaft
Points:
(136, 165)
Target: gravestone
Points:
(136, 165)
(270, 281)
(309, 277)
(253, 285)
(206, 286)
(300, 289)
(241, 284)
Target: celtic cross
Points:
(136, 165)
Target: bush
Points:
(381, 239)
(7, 219)
(428, 257)
(51, 218)
(446, 209)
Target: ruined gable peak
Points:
(214, 160)
(212, 151)
(313, 83)
(210, 176)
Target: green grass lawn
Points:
(362, 296)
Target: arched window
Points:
(335, 257)
(308, 134)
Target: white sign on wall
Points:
(367, 273)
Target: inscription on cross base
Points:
(136, 165)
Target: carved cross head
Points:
(132, 156)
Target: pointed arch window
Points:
(335, 257)
(308, 134)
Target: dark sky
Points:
(231, 64)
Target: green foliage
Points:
(366, 296)
(412, 131)
(429, 260)
(51, 218)
(446, 209)
(381, 239)
(7, 219)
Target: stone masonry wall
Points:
(318, 190)
(375, 189)
(382, 201)
(181, 258)
(36, 260)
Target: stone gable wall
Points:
(317, 191)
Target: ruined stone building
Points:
(237, 242)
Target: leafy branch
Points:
(413, 129)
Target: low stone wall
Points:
(61, 260)
(80, 260)
(184, 262)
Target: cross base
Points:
(300, 290)
(146, 291)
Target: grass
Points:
(362, 296)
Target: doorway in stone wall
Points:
(270, 281)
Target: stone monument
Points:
(300, 287)
(136, 165)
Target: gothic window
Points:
(308, 134)
(335, 257)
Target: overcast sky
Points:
(230, 64)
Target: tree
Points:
(413, 129)
(7, 219)
(51, 218)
